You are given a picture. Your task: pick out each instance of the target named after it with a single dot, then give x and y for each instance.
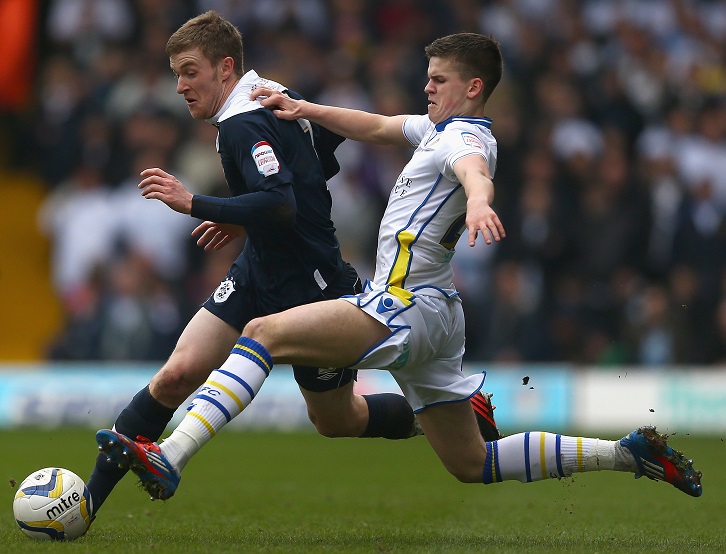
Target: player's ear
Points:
(476, 85)
(227, 67)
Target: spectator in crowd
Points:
(612, 134)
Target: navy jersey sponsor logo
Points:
(265, 159)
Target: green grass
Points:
(255, 492)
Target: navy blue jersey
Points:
(280, 196)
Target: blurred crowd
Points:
(611, 177)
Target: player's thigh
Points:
(452, 431)
(332, 333)
(203, 346)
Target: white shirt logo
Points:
(471, 139)
(223, 291)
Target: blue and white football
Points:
(53, 504)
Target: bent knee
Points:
(332, 431)
(466, 473)
(256, 329)
(332, 428)
(176, 381)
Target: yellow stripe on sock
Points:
(232, 395)
(204, 422)
(542, 455)
(255, 354)
(579, 454)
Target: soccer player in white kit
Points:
(409, 319)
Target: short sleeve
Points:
(456, 143)
(415, 128)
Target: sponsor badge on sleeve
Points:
(472, 140)
(265, 159)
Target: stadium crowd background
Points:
(611, 179)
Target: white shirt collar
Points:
(239, 101)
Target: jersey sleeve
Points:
(454, 144)
(257, 173)
(415, 128)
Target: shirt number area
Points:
(265, 159)
(452, 234)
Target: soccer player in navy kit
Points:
(276, 171)
(409, 319)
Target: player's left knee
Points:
(465, 473)
(331, 428)
(255, 329)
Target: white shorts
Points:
(425, 348)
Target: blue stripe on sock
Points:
(259, 353)
(216, 404)
(558, 443)
(495, 451)
(240, 381)
(526, 457)
(486, 476)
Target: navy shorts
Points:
(235, 302)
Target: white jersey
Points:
(426, 209)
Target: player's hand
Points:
(481, 218)
(282, 105)
(157, 184)
(214, 236)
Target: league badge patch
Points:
(265, 158)
(472, 140)
(223, 291)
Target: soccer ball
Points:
(53, 504)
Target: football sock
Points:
(535, 456)
(144, 416)
(389, 416)
(224, 395)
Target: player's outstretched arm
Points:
(352, 124)
(473, 174)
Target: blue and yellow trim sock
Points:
(537, 455)
(224, 395)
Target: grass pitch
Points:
(256, 492)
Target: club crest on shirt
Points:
(265, 158)
(223, 291)
(472, 140)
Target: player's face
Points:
(447, 92)
(201, 83)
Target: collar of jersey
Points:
(239, 99)
(484, 121)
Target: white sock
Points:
(534, 456)
(224, 395)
